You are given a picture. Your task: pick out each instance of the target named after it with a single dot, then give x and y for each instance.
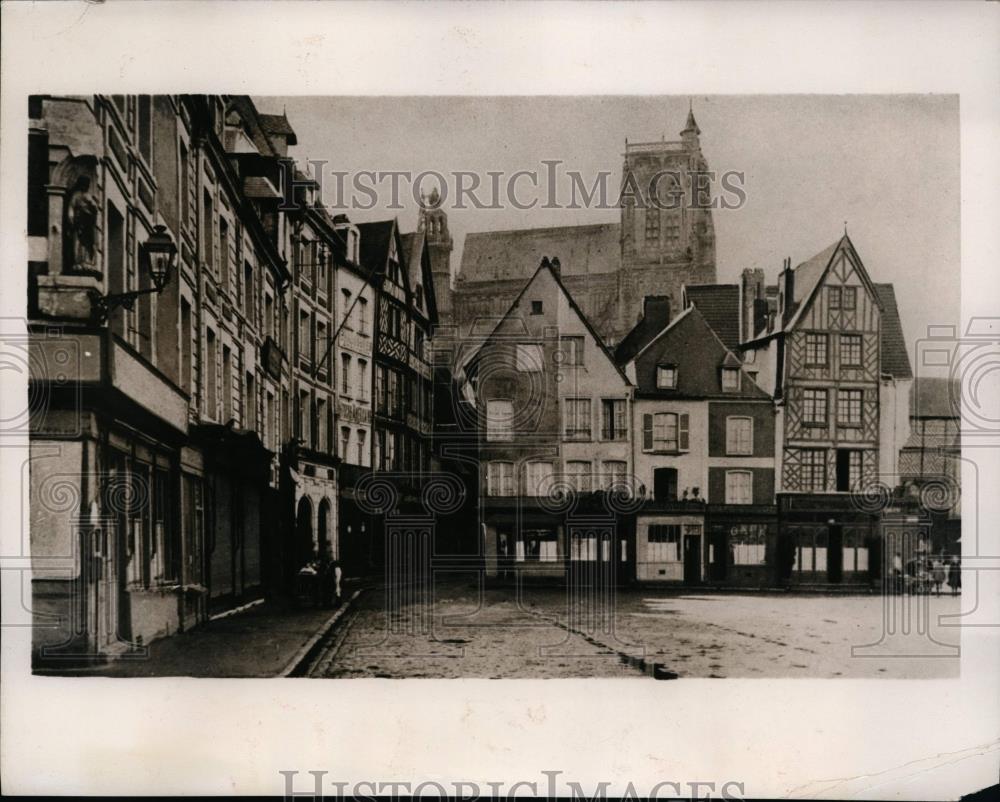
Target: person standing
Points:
(955, 575)
(937, 575)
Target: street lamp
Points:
(157, 257)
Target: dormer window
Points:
(730, 380)
(666, 377)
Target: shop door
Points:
(101, 581)
(835, 554)
(692, 559)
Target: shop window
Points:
(537, 545)
(664, 542)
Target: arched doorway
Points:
(303, 533)
(322, 528)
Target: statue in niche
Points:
(80, 227)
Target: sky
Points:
(887, 166)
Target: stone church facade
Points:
(607, 267)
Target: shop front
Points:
(742, 544)
(827, 539)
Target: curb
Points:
(305, 652)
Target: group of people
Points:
(319, 580)
(927, 573)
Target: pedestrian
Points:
(337, 575)
(955, 575)
(937, 574)
(897, 572)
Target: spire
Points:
(691, 126)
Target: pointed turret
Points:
(691, 130)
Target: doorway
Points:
(692, 559)
(303, 533)
(835, 553)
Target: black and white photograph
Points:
(633, 388)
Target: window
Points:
(208, 228)
(833, 297)
(665, 431)
(848, 469)
(652, 224)
(849, 407)
(576, 418)
(816, 349)
(362, 315)
(739, 487)
(186, 334)
(345, 374)
(248, 292)
(224, 253)
(500, 479)
(345, 441)
(536, 307)
(850, 350)
(578, 475)
(420, 296)
(395, 393)
(271, 435)
(664, 542)
(730, 380)
(304, 417)
(184, 200)
(499, 420)
(665, 484)
(739, 436)
(748, 544)
(322, 441)
(571, 349)
(850, 300)
(614, 474)
(814, 407)
(362, 380)
(529, 357)
(381, 389)
(268, 316)
(345, 300)
(362, 435)
(227, 385)
(666, 377)
(537, 545)
(146, 128)
(813, 469)
(378, 458)
(613, 424)
(673, 228)
(250, 411)
(211, 397)
(321, 341)
(538, 478)
(390, 452)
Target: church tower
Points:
(434, 225)
(667, 235)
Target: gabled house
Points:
(704, 451)
(555, 423)
(831, 352)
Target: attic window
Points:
(834, 298)
(850, 297)
(730, 380)
(536, 307)
(420, 296)
(666, 377)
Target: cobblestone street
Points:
(496, 635)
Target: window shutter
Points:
(647, 432)
(682, 431)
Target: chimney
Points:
(752, 293)
(556, 266)
(656, 311)
(787, 281)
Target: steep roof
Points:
(506, 255)
(895, 360)
(278, 125)
(931, 397)
(719, 304)
(375, 239)
(690, 344)
(637, 339)
(546, 266)
(418, 268)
